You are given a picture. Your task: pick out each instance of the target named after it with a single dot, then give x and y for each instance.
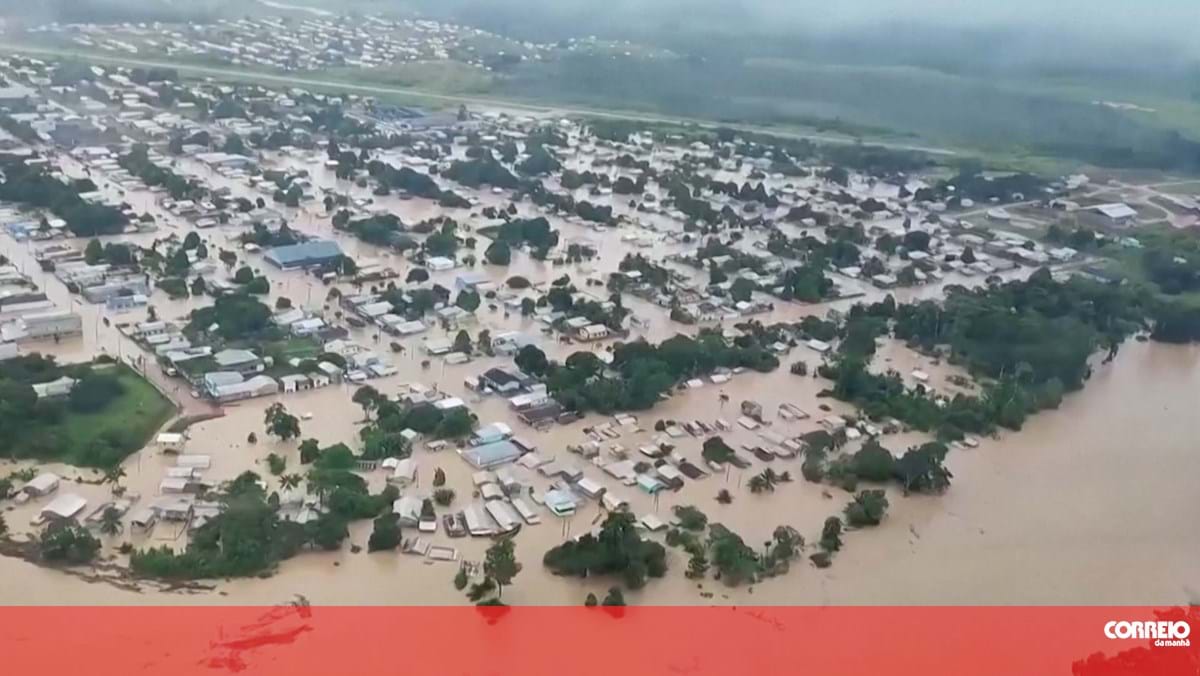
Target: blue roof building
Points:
(305, 254)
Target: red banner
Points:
(300, 640)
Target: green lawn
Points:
(136, 415)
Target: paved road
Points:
(548, 109)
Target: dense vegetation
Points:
(248, 537)
(109, 413)
(533, 232)
(641, 373)
(617, 550)
(232, 317)
(34, 187)
(137, 162)
(1030, 341)
(382, 436)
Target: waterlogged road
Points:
(547, 109)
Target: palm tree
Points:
(113, 475)
(764, 481)
(289, 481)
(110, 521)
(3, 526)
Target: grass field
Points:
(445, 77)
(136, 415)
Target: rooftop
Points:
(313, 250)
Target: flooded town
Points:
(262, 341)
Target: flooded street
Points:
(1092, 503)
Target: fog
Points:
(1167, 24)
(978, 31)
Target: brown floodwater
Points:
(1092, 503)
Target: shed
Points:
(172, 485)
(526, 511)
(65, 506)
(491, 455)
(612, 502)
(143, 518)
(589, 487)
(560, 502)
(649, 484)
(503, 513)
(479, 522)
(194, 461)
(42, 484)
(171, 441)
(409, 510)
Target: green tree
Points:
(498, 253)
(530, 359)
(385, 534)
(867, 509)
(113, 475)
(467, 300)
(110, 521)
(276, 464)
(735, 561)
(455, 424)
(500, 564)
(244, 275)
(93, 253)
(873, 462)
(690, 518)
(462, 343)
(66, 542)
(310, 450)
(280, 423)
(443, 496)
(716, 275)
(831, 534)
(328, 531)
(368, 398)
(614, 597)
(742, 289)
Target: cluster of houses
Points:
(231, 374)
(314, 43)
(27, 314)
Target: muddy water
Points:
(1091, 503)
